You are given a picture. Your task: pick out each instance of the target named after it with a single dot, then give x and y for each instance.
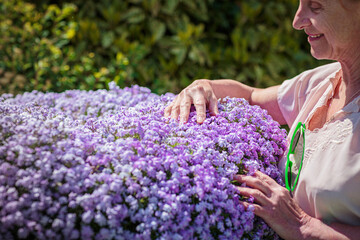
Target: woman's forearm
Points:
(231, 88)
(316, 229)
(265, 98)
(204, 93)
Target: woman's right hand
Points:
(200, 94)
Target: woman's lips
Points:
(314, 37)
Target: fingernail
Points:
(237, 177)
(200, 119)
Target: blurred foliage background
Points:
(161, 44)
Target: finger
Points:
(200, 106)
(246, 205)
(213, 106)
(257, 209)
(185, 109)
(258, 196)
(167, 111)
(254, 183)
(175, 110)
(265, 178)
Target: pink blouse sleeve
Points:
(291, 98)
(293, 93)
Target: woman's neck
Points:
(350, 84)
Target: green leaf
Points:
(157, 29)
(134, 15)
(107, 39)
(111, 15)
(170, 6)
(180, 54)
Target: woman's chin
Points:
(319, 56)
(323, 54)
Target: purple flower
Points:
(106, 164)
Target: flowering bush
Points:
(107, 165)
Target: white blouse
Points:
(329, 182)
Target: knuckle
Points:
(197, 81)
(268, 181)
(194, 89)
(186, 91)
(167, 110)
(257, 194)
(199, 88)
(176, 107)
(200, 80)
(283, 193)
(199, 102)
(189, 92)
(185, 104)
(181, 94)
(257, 209)
(257, 181)
(174, 115)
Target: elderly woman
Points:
(321, 107)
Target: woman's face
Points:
(333, 28)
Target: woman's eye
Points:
(315, 6)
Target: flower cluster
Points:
(107, 165)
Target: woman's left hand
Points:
(275, 205)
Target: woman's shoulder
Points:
(320, 73)
(311, 80)
(326, 68)
(309, 85)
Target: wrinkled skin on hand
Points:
(274, 204)
(200, 94)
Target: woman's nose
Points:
(301, 19)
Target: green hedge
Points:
(160, 44)
(39, 51)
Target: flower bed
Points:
(108, 165)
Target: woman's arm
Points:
(205, 93)
(316, 229)
(274, 204)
